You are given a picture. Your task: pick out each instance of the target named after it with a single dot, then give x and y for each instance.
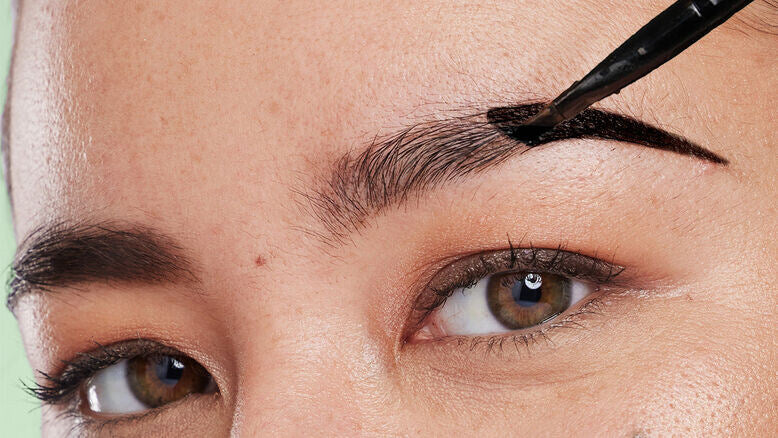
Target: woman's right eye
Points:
(145, 382)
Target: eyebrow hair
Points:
(761, 16)
(424, 156)
(63, 255)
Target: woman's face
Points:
(288, 218)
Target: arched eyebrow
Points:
(424, 156)
(63, 254)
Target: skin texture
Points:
(209, 122)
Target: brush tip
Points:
(531, 130)
(531, 135)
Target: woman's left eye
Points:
(145, 382)
(504, 302)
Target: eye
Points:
(503, 302)
(145, 382)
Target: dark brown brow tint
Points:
(599, 124)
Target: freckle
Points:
(259, 261)
(273, 107)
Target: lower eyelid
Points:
(576, 317)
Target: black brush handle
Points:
(664, 37)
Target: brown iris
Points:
(524, 299)
(158, 379)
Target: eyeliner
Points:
(664, 37)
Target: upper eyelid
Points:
(558, 259)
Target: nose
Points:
(316, 378)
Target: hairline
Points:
(5, 120)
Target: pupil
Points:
(169, 370)
(527, 293)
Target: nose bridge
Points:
(312, 376)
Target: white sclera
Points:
(108, 391)
(466, 312)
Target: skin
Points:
(207, 122)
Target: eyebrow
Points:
(424, 156)
(64, 255)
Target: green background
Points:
(19, 413)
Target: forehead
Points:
(149, 108)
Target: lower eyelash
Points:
(525, 339)
(81, 425)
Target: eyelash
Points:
(62, 388)
(528, 337)
(556, 261)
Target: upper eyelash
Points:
(60, 387)
(557, 260)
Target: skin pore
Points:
(226, 132)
